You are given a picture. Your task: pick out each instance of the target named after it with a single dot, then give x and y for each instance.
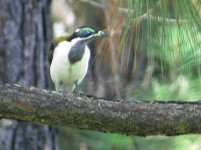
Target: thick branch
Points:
(119, 116)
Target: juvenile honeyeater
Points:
(69, 58)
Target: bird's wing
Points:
(76, 52)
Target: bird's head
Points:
(87, 34)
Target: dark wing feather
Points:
(51, 51)
(76, 52)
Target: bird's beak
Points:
(102, 34)
(96, 35)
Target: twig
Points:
(100, 5)
(139, 18)
(148, 15)
(168, 20)
(93, 3)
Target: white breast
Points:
(63, 73)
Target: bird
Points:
(69, 58)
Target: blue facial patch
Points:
(85, 32)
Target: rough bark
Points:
(80, 111)
(24, 39)
(25, 34)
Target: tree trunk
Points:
(25, 33)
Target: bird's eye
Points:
(85, 32)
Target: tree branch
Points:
(101, 5)
(142, 17)
(119, 116)
(93, 3)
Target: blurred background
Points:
(153, 53)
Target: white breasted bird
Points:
(69, 58)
